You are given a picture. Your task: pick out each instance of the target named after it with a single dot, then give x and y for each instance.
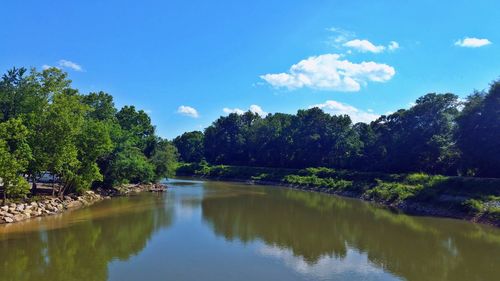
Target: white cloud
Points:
(233, 110)
(393, 45)
(70, 65)
(341, 35)
(187, 111)
(329, 72)
(364, 46)
(253, 108)
(471, 42)
(338, 108)
(354, 263)
(257, 109)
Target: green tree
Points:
(15, 154)
(138, 124)
(164, 159)
(226, 140)
(190, 146)
(420, 138)
(479, 133)
(63, 124)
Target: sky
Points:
(188, 62)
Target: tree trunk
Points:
(53, 185)
(33, 185)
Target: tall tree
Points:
(15, 154)
(479, 133)
(190, 146)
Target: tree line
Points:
(439, 134)
(82, 140)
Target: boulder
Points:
(8, 219)
(4, 208)
(74, 204)
(19, 217)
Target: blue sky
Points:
(170, 58)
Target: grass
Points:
(476, 196)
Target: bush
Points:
(392, 191)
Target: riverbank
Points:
(466, 198)
(40, 206)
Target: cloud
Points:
(364, 46)
(253, 108)
(354, 263)
(341, 35)
(471, 42)
(233, 110)
(188, 111)
(338, 108)
(70, 65)
(329, 72)
(393, 45)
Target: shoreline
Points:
(409, 208)
(49, 205)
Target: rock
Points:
(12, 205)
(8, 219)
(20, 208)
(34, 204)
(8, 215)
(19, 217)
(4, 208)
(74, 204)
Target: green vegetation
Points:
(82, 140)
(473, 196)
(439, 151)
(440, 134)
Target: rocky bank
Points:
(48, 205)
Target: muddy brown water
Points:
(230, 231)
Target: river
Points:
(228, 231)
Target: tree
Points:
(272, 140)
(190, 146)
(138, 125)
(164, 159)
(63, 124)
(479, 133)
(15, 154)
(420, 138)
(129, 165)
(101, 104)
(226, 140)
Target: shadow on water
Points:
(80, 245)
(313, 226)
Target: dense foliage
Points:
(83, 141)
(439, 134)
(461, 196)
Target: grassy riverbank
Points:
(474, 199)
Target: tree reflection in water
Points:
(82, 249)
(314, 227)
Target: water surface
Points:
(227, 231)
